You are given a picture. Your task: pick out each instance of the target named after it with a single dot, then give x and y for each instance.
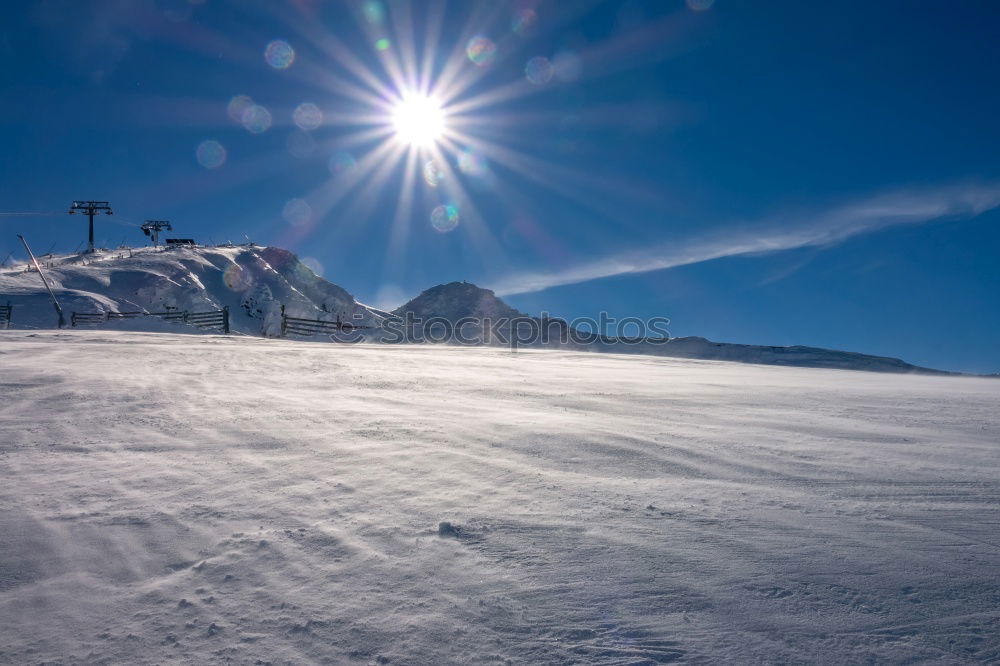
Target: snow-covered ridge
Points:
(458, 300)
(255, 282)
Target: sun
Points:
(419, 120)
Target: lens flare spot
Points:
(313, 264)
(307, 116)
(433, 173)
(256, 119)
(237, 105)
(342, 162)
(279, 54)
(374, 12)
(481, 51)
(700, 5)
(418, 120)
(472, 163)
(382, 44)
(237, 278)
(524, 21)
(300, 144)
(444, 218)
(210, 154)
(539, 71)
(297, 212)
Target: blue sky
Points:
(778, 173)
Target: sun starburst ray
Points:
(472, 221)
(435, 20)
(338, 86)
(336, 51)
(402, 24)
(366, 198)
(499, 95)
(330, 193)
(359, 137)
(571, 184)
(400, 230)
(456, 60)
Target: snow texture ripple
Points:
(204, 500)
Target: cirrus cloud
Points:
(785, 232)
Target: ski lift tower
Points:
(154, 227)
(90, 208)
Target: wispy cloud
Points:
(787, 232)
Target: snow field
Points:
(202, 499)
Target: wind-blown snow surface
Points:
(201, 499)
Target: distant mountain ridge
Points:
(457, 300)
(257, 284)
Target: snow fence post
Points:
(10, 314)
(282, 320)
(225, 319)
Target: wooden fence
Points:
(309, 327)
(211, 319)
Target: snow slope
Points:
(206, 500)
(252, 281)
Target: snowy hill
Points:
(456, 300)
(252, 281)
(170, 499)
(255, 282)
